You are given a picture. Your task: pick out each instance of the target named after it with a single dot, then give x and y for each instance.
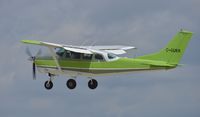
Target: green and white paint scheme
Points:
(93, 61)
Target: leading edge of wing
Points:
(35, 42)
(53, 45)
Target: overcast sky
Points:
(147, 25)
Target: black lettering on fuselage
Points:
(173, 50)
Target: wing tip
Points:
(31, 42)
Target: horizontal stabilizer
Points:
(155, 63)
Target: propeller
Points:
(32, 58)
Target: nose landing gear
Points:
(49, 84)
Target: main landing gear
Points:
(92, 84)
(71, 83)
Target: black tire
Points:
(48, 85)
(71, 84)
(92, 84)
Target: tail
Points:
(174, 50)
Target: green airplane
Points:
(91, 61)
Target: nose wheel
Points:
(92, 84)
(48, 85)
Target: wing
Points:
(53, 45)
(115, 49)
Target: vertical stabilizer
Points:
(173, 51)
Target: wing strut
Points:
(55, 59)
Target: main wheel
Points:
(48, 85)
(92, 84)
(71, 84)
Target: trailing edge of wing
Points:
(117, 52)
(85, 51)
(115, 49)
(110, 47)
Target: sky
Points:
(147, 25)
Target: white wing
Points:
(115, 49)
(53, 45)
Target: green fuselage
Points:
(100, 67)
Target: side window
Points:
(67, 54)
(75, 55)
(87, 56)
(98, 57)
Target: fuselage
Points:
(93, 67)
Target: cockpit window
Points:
(98, 57)
(60, 52)
(87, 56)
(111, 56)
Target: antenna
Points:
(92, 44)
(135, 53)
(84, 42)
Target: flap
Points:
(117, 52)
(78, 50)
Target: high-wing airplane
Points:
(91, 61)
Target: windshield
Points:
(111, 56)
(60, 52)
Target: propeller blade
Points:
(38, 53)
(32, 58)
(28, 52)
(34, 71)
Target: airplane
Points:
(92, 61)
